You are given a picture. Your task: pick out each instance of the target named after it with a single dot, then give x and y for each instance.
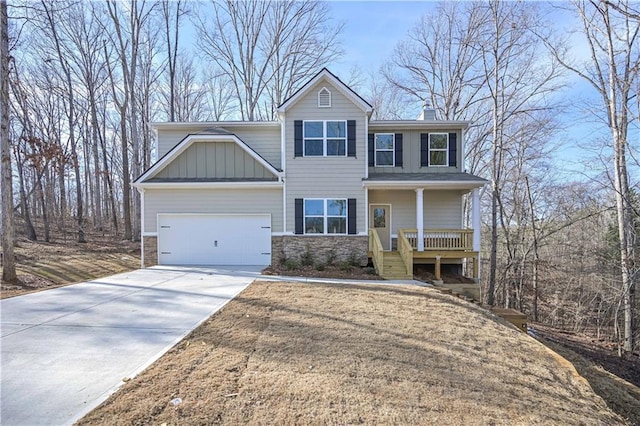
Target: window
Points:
(385, 146)
(438, 149)
(325, 216)
(324, 98)
(325, 138)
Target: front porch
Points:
(415, 246)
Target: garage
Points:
(214, 239)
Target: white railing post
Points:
(420, 218)
(475, 218)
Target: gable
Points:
(325, 79)
(214, 160)
(221, 156)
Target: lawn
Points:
(293, 353)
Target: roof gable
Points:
(326, 75)
(189, 140)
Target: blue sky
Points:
(373, 28)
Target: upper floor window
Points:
(325, 138)
(438, 149)
(324, 98)
(385, 149)
(325, 216)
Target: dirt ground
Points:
(41, 265)
(344, 271)
(615, 379)
(292, 353)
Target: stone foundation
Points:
(322, 249)
(150, 251)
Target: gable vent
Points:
(324, 98)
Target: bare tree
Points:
(613, 70)
(266, 49)
(8, 257)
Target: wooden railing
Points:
(441, 239)
(406, 251)
(375, 247)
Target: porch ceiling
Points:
(423, 180)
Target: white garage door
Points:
(202, 239)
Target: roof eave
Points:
(208, 185)
(407, 184)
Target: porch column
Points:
(420, 217)
(475, 218)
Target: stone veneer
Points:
(344, 248)
(352, 248)
(150, 251)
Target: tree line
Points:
(83, 81)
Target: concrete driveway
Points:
(65, 350)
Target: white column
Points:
(420, 217)
(475, 218)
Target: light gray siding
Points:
(220, 201)
(215, 160)
(442, 209)
(325, 177)
(264, 139)
(411, 152)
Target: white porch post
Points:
(475, 218)
(420, 217)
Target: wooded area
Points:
(82, 81)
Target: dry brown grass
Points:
(291, 353)
(42, 266)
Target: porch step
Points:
(394, 268)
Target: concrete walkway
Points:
(65, 350)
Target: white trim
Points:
(325, 216)
(366, 206)
(446, 151)
(366, 146)
(325, 138)
(189, 140)
(375, 150)
(420, 124)
(420, 217)
(283, 162)
(209, 185)
(390, 221)
(293, 234)
(320, 93)
(461, 166)
(333, 81)
(150, 234)
(208, 124)
(141, 191)
(408, 184)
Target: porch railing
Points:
(406, 251)
(440, 239)
(375, 247)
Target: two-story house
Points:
(325, 179)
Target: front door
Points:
(380, 220)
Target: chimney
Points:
(427, 112)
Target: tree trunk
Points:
(8, 257)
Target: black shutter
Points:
(351, 138)
(372, 150)
(351, 216)
(453, 149)
(398, 150)
(424, 149)
(299, 214)
(297, 134)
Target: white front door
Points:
(202, 239)
(380, 220)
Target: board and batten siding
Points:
(214, 201)
(325, 177)
(411, 152)
(442, 209)
(264, 139)
(215, 160)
